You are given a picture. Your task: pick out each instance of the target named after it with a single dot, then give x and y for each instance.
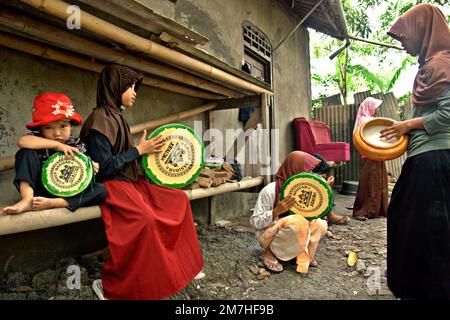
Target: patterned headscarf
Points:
(296, 162)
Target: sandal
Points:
(272, 265)
(360, 218)
(335, 219)
(313, 263)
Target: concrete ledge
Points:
(35, 220)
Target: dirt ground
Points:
(232, 268)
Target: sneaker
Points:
(200, 275)
(97, 286)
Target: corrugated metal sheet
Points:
(327, 18)
(332, 100)
(407, 111)
(341, 120)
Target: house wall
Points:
(221, 22)
(23, 76)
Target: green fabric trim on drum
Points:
(318, 179)
(65, 194)
(152, 176)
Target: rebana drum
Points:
(66, 177)
(181, 159)
(366, 139)
(314, 197)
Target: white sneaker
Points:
(97, 286)
(200, 275)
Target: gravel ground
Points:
(231, 253)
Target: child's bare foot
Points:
(42, 203)
(21, 206)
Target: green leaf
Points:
(406, 62)
(367, 75)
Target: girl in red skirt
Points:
(153, 244)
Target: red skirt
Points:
(153, 244)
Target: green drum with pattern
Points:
(181, 159)
(314, 197)
(66, 177)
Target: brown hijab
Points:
(296, 162)
(423, 31)
(107, 117)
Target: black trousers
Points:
(418, 226)
(28, 168)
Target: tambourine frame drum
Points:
(380, 151)
(314, 197)
(373, 127)
(170, 172)
(67, 177)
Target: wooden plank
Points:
(255, 118)
(266, 140)
(232, 103)
(211, 124)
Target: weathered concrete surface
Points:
(232, 205)
(22, 77)
(221, 22)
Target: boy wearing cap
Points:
(53, 119)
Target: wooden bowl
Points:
(366, 140)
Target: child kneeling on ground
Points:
(292, 236)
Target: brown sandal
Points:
(333, 218)
(272, 265)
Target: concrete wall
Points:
(221, 22)
(23, 76)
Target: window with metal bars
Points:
(257, 52)
(256, 40)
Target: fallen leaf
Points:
(352, 257)
(22, 289)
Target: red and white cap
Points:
(50, 107)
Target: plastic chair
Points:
(314, 136)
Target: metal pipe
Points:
(297, 26)
(387, 45)
(334, 54)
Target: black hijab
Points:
(107, 117)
